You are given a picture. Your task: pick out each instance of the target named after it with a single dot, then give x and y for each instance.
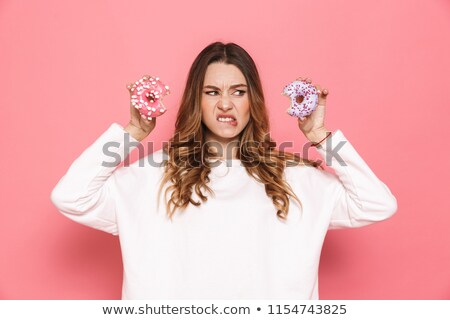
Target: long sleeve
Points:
(85, 194)
(361, 198)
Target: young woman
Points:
(241, 219)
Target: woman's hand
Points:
(313, 126)
(138, 127)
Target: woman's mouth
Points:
(227, 120)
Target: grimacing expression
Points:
(225, 104)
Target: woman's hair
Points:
(187, 167)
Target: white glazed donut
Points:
(147, 95)
(299, 88)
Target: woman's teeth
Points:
(225, 119)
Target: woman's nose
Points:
(225, 103)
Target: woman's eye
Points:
(214, 93)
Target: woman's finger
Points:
(322, 94)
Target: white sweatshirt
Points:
(232, 246)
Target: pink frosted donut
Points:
(297, 89)
(147, 95)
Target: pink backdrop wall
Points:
(386, 64)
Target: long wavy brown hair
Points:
(187, 166)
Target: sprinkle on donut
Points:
(297, 89)
(147, 95)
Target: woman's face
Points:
(225, 103)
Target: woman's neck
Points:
(224, 147)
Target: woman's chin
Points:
(228, 133)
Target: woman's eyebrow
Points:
(231, 87)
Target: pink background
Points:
(64, 66)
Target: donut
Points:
(305, 107)
(147, 95)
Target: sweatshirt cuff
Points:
(329, 148)
(118, 142)
(116, 126)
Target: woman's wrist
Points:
(135, 132)
(318, 137)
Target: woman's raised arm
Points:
(85, 193)
(361, 198)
